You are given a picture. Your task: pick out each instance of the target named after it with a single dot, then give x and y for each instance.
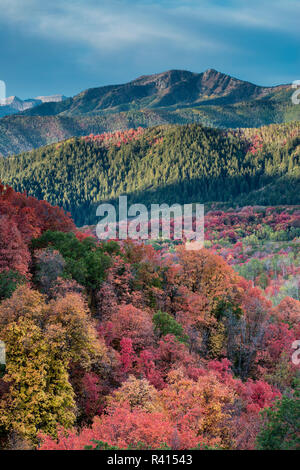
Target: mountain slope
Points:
(22, 133)
(172, 164)
(175, 88)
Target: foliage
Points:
(165, 324)
(9, 281)
(126, 345)
(280, 430)
(40, 395)
(41, 341)
(83, 261)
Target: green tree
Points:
(9, 281)
(165, 324)
(281, 424)
(85, 261)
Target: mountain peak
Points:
(174, 89)
(170, 76)
(211, 72)
(11, 99)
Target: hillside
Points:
(173, 97)
(172, 164)
(174, 88)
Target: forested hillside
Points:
(120, 345)
(172, 164)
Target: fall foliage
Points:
(127, 345)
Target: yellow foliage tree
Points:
(42, 341)
(40, 396)
(139, 393)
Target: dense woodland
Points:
(123, 345)
(172, 164)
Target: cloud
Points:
(108, 41)
(276, 15)
(104, 26)
(113, 25)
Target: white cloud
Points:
(110, 25)
(102, 25)
(278, 15)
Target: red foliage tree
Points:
(14, 253)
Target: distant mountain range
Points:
(13, 104)
(173, 97)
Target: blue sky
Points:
(65, 46)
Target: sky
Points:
(66, 46)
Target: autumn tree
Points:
(43, 341)
(288, 311)
(40, 395)
(138, 393)
(131, 322)
(204, 404)
(14, 254)
(123, 428)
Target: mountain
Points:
(13, 104)
(172, 164)
(172, 89)
(173, 97)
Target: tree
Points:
(43, 341)
(281, 424)
(138, 393)
(24, 303)
(171, 354)
(246, 334)
(40, 396)
(49, 265)
(205, 405)
(117, 288)
(288, 311)
(127, 355)
(131, 322)
(69, 319)
(209, 275)
(85, 261)
(165, 324)
(9, 281)
(14, 254)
